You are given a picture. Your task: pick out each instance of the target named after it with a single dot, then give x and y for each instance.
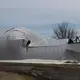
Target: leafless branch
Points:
(63, 31)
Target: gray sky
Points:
(54, 4)
(23, 12)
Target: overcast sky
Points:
(54, 4)
(23, 12)
(29, 12)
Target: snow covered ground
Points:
(40, 61)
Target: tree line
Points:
(64, 31)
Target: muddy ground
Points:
(38, 72)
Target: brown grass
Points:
(13, 76)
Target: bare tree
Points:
(64, 31)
